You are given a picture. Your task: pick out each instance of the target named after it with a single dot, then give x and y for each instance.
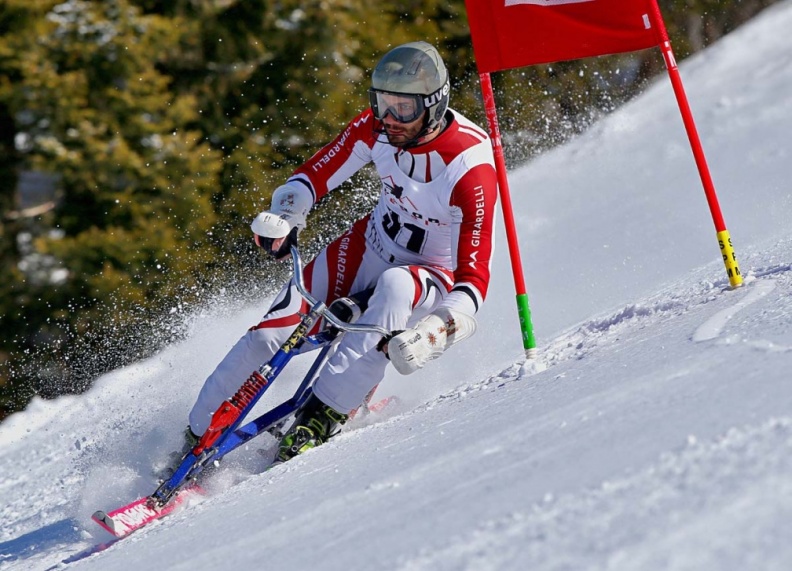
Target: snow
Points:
(654, 431)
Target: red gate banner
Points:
(517, 33)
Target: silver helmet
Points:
(417, 72)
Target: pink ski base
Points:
(378, 406)
(124, 520)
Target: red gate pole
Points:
(523, 309)
(724, 239)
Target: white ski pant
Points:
(347, 266)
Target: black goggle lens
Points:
(403, 108)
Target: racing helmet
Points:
(409, 81)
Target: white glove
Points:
(269, 225)
(290, 205)
(285, 218)
(292, 202)
(411, 349)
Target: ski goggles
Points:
(404, 108)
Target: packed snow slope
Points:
(654, 432)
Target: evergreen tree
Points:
(131, 230)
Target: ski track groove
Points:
(713, 327)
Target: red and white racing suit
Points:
(427, 244)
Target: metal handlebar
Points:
(320, 306)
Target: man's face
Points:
(401, 133)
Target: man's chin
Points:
(396, 140)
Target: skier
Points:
(425, 248)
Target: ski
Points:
(131, 517)
(172, 493)
(368, 408)
(380, 405)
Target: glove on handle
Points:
(412, 348)
(285, 219)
